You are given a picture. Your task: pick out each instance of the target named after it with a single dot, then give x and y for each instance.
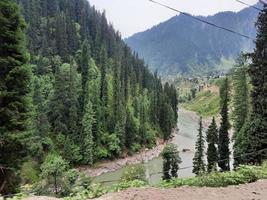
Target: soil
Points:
(252, 191)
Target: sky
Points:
(132, 16)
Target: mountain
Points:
(183, 45)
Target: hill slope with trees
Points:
(83, 97)
(183, 45)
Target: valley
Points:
(179, 110)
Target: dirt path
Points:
(253, 191)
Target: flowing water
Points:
(184, 138)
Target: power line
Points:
(202, 20)
(252, 6)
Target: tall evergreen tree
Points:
(241, 93)
(84, 68)
(255, 129)
(15, 92)
(224, 141)
(73, 103)
(241, 106)
(87, 135)
(212, 152)
(198, 160)
(171, 161)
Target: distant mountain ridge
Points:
(182, 45)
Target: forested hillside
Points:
(185, 46)
(86, 96)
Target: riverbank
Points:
(113, 165)
(183, 136)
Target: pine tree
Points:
(198, 160)
(171, 161)
(212, 152)
(84, 62)
(73, 103)
(241, 93)
(223, 142)
(41, 140)
(87, 135)
(241, 106)
(15, 92)
(63, 113)
(130, 129)
(93, 94)
(255, 129)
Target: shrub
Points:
(52, 169)
(135, 147)
(29, 172)
(244, 174)
(96, 190)
(135, 172)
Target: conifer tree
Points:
(198, 160)
(73, 101)
(15, 92)
(223, 142)
(255, 129)
(241, 93)
(241, 106)
(171, 161)
(87, 135)
(84, 68)
(212, 152)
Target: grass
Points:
(244, 174)
(206, 104)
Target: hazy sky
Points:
(132, 16)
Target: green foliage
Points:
(198, 160)
(241, 93)
(29, 172)
(135, 147)
(244, 174)
(15, 95)
(258, 73)
(171, 161)
(206, 104)
(93, 99)
(53, 169)
(74, 181)
(224, 141)
(87, 132)
(212, 151)
(241, 105)
(96, 190)
(135, 172)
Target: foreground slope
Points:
(257, 190)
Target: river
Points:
(184, 138)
